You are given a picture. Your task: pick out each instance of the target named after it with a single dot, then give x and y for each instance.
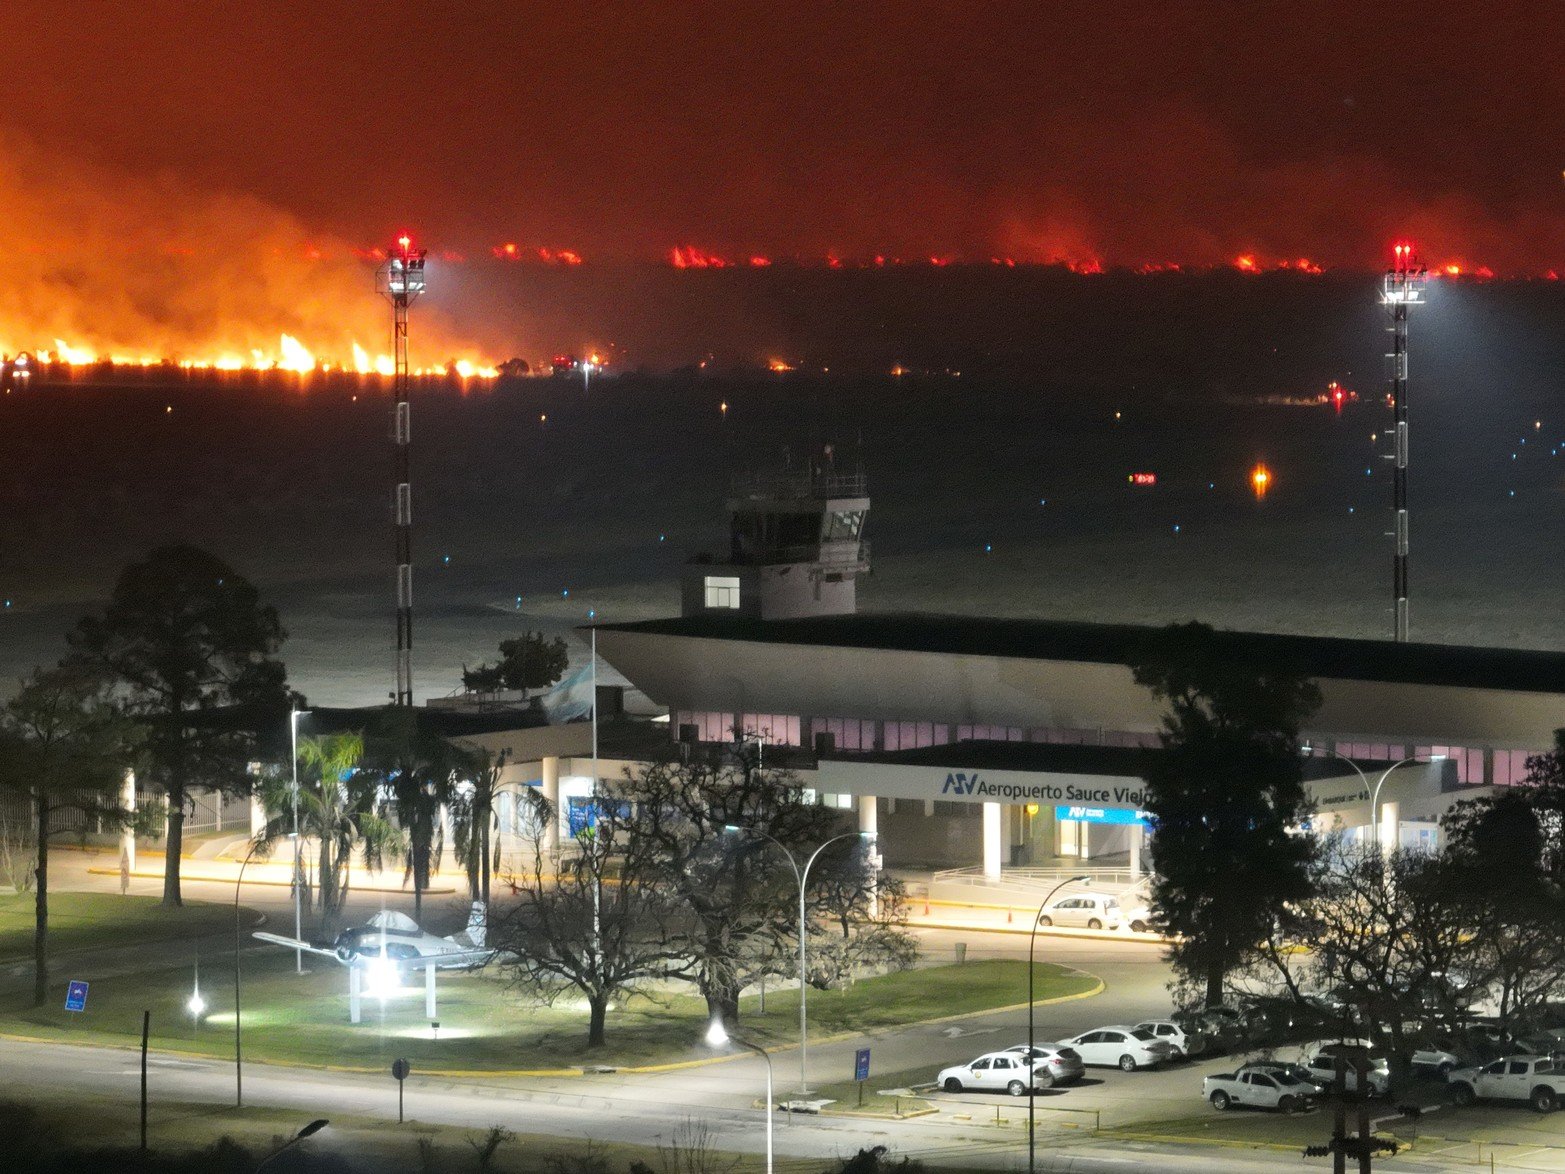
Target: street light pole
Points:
(1032, 941)
(1374, 791)
(803, 877)
(239, 1079)
(298, 907)
(717, 1036)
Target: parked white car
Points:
(992, 1072)
(1083, 911)
(1119, 1046)
(1320, 1060)
(1052, 1063)
(1137, 917)
(1259, 1090)
(1515, 1078)
(1185, 1043)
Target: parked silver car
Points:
(1053, 1063)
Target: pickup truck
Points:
(1261, 1090)
(1535, 1079)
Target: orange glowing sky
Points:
(1126, 134)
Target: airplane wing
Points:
(296, 944)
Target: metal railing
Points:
(801, 483)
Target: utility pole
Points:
(402, 280)
(1402, 289)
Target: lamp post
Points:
(717, 1036)
(239, 1080)
(803, 877)
(1373, 790)
(309, 1130)
(1032, 941)
(298, 908)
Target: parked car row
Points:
(1052, 1064)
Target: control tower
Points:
(796, 548)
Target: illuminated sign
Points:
(1112, 815)
(1142, 478)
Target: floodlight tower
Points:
(402, 280)
(1403, 288)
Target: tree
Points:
(417, 772)
(1390, 934)
(63, 749)
(338, 809)
(1506, 848)
(599, 921)
(1225, 797)
(473, 814)
(738, 902)
(863, 917)
(189, 648)
(531, 661)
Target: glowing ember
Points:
(1260, 481)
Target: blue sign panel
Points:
(1120, 815)
(76, 995)
(583, 813)
(861, 1064)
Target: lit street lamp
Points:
(717, 1036)
(1032, 941)
(309, 1130)
(1308, 751)
(803, 877)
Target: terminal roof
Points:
(1525, 670)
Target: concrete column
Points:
(1390, 826)
(869, 825)
(994, 840)
(128, 835)
(257, 816)
(1137, 834)
(551, 792)
(429, 992)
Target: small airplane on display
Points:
(396, 938)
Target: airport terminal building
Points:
(990, 744)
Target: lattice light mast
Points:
(402, 280)
(1403, 289)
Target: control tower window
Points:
(722, 591)
(843, 525)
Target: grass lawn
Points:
(30, 1129)
(483, 1023)
(81, 920)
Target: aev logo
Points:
(960, 782)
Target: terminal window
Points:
(722, 591)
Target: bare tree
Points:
(596, 921)
(704, 822)
(862, 922)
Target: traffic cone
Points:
(1008, 918)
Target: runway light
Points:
(196, 1005)
(380, 978)
(716, 1034)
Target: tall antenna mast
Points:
(402, 280)
(1403, 288)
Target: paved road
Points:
(645, 1108)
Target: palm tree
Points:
(337, 809)
(473, 815)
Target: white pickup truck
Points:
(1535, 1079)
(1260, 1090)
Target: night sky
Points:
(1075, 131)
